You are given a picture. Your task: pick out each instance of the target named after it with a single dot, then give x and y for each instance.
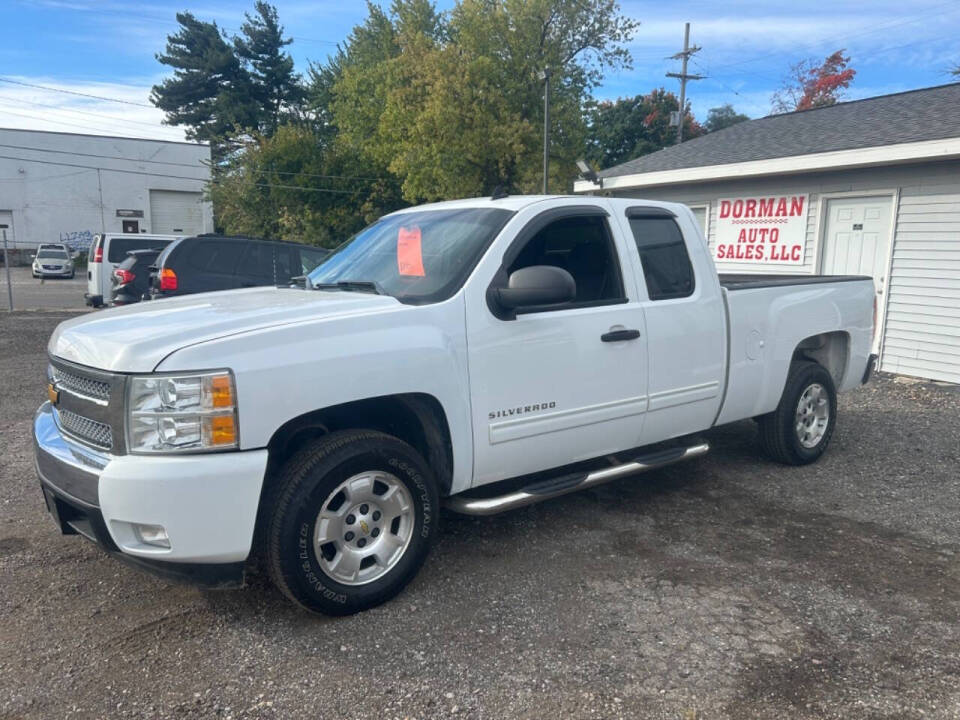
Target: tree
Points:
(209, 92)
(294, 186)
(273, 84)
(809, 85)
(722, 117)
(456, 106)
(630, 127)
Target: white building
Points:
(870, 187)
(64, 187)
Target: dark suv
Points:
(217, 262)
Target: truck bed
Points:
(751, 282)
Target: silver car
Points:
(52, 262)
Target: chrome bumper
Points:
(64, 466)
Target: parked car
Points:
(107, 252)
(55, 246)
(219, 262)
(131, 279)
(52, 262)
(487, 354)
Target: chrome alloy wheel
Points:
(364, 527)
(813, 415)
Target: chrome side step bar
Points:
(545, 490)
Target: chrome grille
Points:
(78, 385)
(90, 431)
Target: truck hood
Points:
(136, 338)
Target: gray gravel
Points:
(31, 293)
(725, 588)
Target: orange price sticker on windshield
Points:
(409, 255)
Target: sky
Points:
(107, 48)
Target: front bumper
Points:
(207, 503)
(64, 272)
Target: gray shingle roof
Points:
(928, 114)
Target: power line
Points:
(74, 92)
(7, 98)
(840, 38)
(175, 177)
(58, 122)
(189, 165)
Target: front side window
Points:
(663, 254)
(582, 246)
(417, 257)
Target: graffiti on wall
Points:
(77, 239)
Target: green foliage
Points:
(453, 106)
(722, 117)
(292, 186)
(630, 127)
(274, 87)
(209, 91)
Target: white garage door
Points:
(173, 212)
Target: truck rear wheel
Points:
(352, 520)
(799, 430)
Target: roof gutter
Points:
(901, 153)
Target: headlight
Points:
(175, 413)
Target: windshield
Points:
(417, 257)
(52, 254)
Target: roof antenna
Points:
(499, 192)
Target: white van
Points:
(107, 251)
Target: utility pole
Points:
(545, 76)
(684, 56)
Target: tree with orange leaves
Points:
(809, 85)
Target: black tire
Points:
(779, 437)
(304, 486)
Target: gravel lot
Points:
(725, 588)
(30, 293)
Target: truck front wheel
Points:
(351, 521)
(799, 430)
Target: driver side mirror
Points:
(534, 287)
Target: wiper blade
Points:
(366, 286)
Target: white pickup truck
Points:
(481, 354)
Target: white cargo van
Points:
(107, 251)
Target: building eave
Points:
(926, 151)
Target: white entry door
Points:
(857, 241)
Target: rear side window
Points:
(663, 254)
(257, 261)
(215, 256)
(119, 247)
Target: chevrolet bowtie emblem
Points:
(53, 393)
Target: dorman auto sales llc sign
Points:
(764, 229)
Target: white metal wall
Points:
(922, 335)
(922, 322)
(64, 187)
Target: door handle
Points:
(620, 335)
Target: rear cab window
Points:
(667, 270)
